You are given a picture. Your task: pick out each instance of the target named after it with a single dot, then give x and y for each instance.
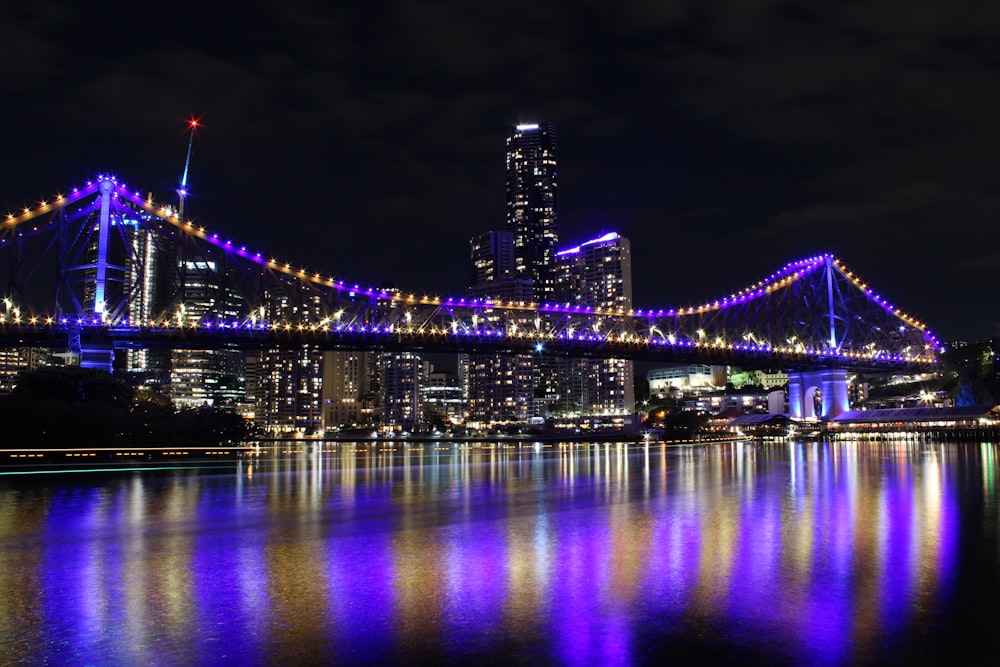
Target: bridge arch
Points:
(810, 314)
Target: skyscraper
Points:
(531, 203)
(499, 387)
(597, 274)
(199, 377)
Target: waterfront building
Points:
(718, 402)
(762, 378)
(532, 219)
(499, 388)
(595, 274)
(206, 377)
(686, 379)
(350, 389)
(288, 383)
(289, 390)
(442, 397)
(17, 360)
(400, 376)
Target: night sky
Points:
(366, 139)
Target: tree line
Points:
(68, 406)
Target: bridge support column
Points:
(93, 354)
(802, 388)
(101, 357)
(103, 232)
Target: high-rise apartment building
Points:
(492, 256)
(400, 375)
(206, 377)
(288, 383)
(498, 387)
(350, 389)
(532, 202)
(443, 399)
(597, 274)
(17, 360)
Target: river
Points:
(448, 553)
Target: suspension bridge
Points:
(102, 268)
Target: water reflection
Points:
(579, 554)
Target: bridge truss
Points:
(103, 263)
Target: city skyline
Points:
(365, 142)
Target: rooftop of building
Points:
(922, 414)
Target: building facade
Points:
(532, 220)
(287, 384)
(443, 399)
(499, 388)
(532, 199)
(350, 389)
(682, 380)
(596, 274)
(400, 375)
(206, 377)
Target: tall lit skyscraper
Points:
(151, 266)
(597, 274)
(498, 387)
(531, 203)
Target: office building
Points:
(17, 360)
(150, 263)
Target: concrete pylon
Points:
(802, 387)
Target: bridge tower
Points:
(831, 383)
(96, 354)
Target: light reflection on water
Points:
(573, 554)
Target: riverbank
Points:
(92, 459)
(96, 459)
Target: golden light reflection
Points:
(579, 547)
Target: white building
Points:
(683, 380)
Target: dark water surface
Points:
(597, 554)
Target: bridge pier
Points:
(101, 357)
(93, 354)
(832, 385)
